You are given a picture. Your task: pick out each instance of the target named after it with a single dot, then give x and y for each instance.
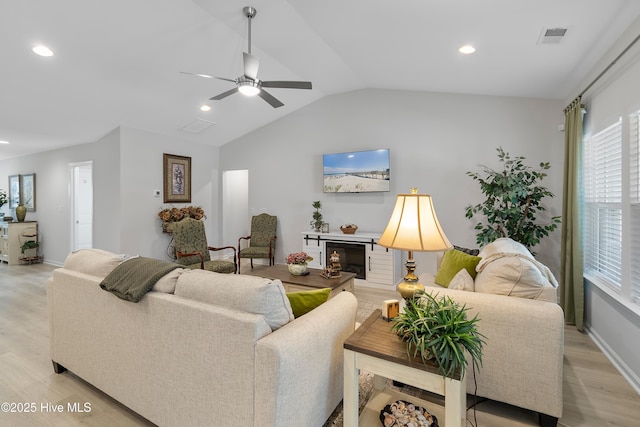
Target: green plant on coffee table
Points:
(436, 327)
(513, 202)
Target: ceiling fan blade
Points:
(206, 76)
(224, 94)
(287, 84)
(224, 78)
(251, 65)
(270, 99)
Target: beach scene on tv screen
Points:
(357, 172)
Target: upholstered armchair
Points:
(192, 251)
(262, 240)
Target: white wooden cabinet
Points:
(12, 235)
(381, 265)
(315, 248)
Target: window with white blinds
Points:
(603, 205)
(634, 201)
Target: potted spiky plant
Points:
(437, 328)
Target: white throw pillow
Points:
(241, 292)
(462, 281)
(167, 283)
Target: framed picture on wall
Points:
(28, 189)
(177, 178)
(14, 191)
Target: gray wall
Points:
(434, 140)
(52, 193)
(127, 167)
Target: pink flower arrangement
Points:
(298, 258)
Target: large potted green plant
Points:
(513, 202)
(437, 328)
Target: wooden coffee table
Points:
(306, 283)
(375, 349)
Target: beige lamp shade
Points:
(414, 226)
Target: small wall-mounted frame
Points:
(177, 178)
(28, 191)
(14, 191)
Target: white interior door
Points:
(235, 205)
(82, 205)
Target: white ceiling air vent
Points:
(197, 126)
(552, 35)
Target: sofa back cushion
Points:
(251, 294)
(508, 268)
(96, 262)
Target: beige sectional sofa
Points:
(524, 350)
(219, 350)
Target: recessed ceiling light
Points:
(4, 142)
(205, 107)
(467, 49)
(42, 50)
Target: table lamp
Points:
(413, 226)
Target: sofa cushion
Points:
(508, 268)
(167, 283)
(251, 294)
(462, 281)
(305, 301)
(96, 262)
(454, 261)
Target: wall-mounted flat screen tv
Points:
(356, 172)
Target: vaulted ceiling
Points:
(118, 62)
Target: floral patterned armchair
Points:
(262, 240)
(192, 251)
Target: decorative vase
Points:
(21, 212)
(297, 269)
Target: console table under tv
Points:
(374, 265)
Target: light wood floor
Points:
(595, 394)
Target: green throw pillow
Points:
(454, 261)
(305, 301)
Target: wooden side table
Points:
(375, 349)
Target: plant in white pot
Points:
(30, 248)
(437, 328)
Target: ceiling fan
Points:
(248, 84)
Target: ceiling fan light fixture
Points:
(248, 87)
(467, 49)
(42, 50)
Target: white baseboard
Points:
(618, 363)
